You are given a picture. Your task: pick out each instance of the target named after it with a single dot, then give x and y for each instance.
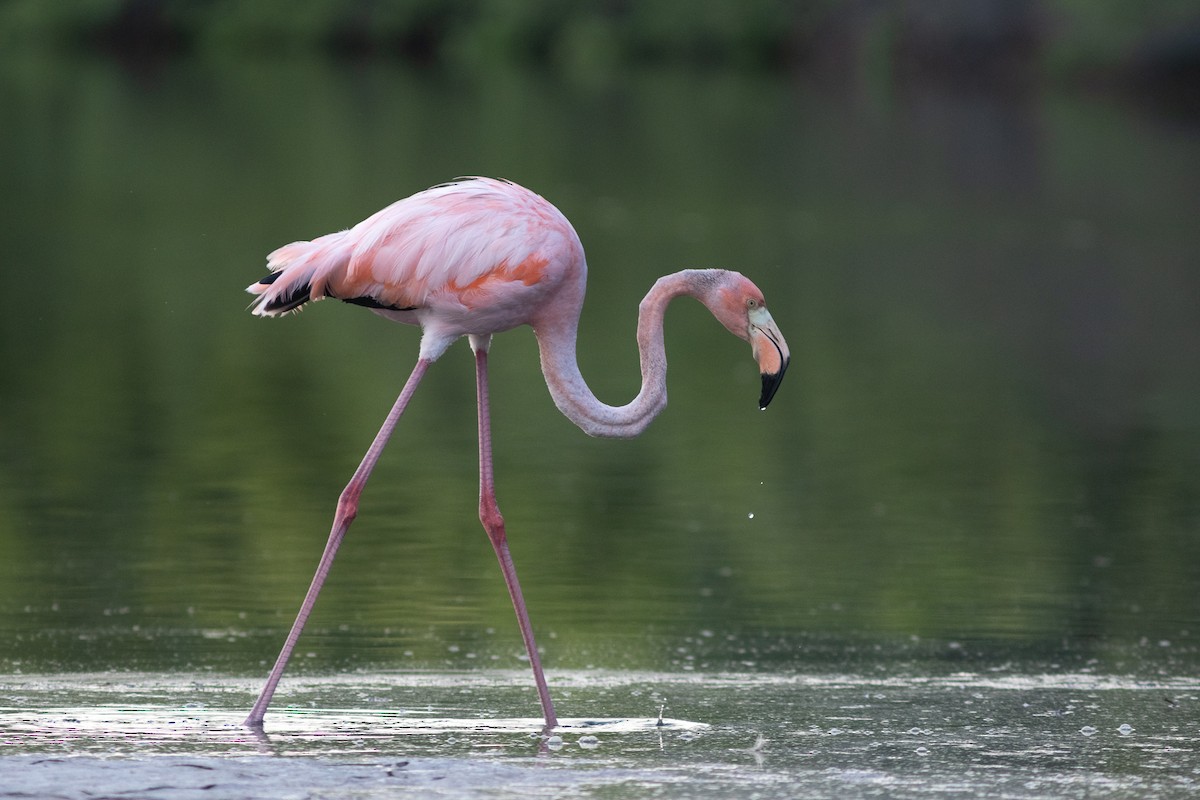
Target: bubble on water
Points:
(554, 742)
(589, 742)
(922, 751)
(750, 515)
(1088, 730)
(1125, 729)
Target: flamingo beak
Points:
(771, 352)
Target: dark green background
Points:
(989, 435)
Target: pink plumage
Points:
(477, 255)
(472, 258)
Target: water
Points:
(964, 533)
(997, 733)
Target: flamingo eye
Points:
(751, 303)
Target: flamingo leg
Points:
(347, 510)
(493, 523)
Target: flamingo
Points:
(474, 257)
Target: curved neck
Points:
(571, 394)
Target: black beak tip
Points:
(770, 385)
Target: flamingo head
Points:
(739, 306)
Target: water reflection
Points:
(989, 436)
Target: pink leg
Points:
(347, 510)
(493, 523)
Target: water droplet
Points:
(1088, 730)
(1125, 729)
(750, 515)
(589, 742)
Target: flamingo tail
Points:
(300, 272)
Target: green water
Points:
(984, 455)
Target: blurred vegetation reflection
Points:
(989, 434)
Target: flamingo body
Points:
(472, 258)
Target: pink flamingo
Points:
(471, 258)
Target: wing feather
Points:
(445, 242)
